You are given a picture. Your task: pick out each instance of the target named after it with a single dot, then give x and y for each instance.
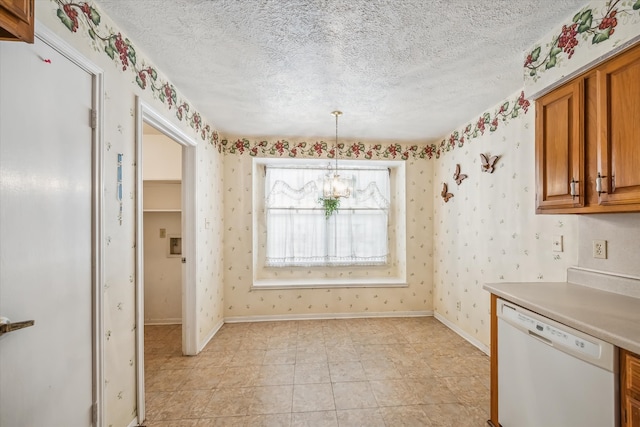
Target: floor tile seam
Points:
(310, 412)
(369, 389)
(278, 364)
(224, 416)
(293, 394)
(440, 375)
(474, 401)
(314, 383)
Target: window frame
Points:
(390, 275)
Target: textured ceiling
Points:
(398, 69)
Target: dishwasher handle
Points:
(544, 340)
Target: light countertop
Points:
(612, 317)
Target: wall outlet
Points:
(458, 305)
(557, 244)
(600, 249)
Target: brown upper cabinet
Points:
(587, 159)
(16, 20)
(559, 152)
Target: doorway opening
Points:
(165, 234)
(162, 228)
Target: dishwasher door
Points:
(552, 375)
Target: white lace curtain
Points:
(299, 234)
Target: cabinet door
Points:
(16, 20)
(559, 148)
(630, 389)
(633, 409)
(619, 128)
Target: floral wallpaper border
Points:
(323, 149)
(122, 52)
(589, 24)
(504, 114)
(486, 121)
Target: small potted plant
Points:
(330, 205)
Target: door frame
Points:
(51, 39)
(145, 113)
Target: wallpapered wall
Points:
(241, 302)
(127, 73)
(210, 273)
(488, 230)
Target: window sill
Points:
(328, 284)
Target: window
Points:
(294, 245)
(299, 234)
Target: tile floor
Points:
(352, 372)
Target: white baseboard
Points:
(134, 423)
(213, 332)
(326, 316)
(170, 321)
(455, 328)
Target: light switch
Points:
(163, 233)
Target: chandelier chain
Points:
(336, 114)
(334, 187)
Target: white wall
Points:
(162, 195)
(162, 158)
(162, 273)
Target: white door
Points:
(45, 238)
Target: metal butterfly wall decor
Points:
(488, 162)
(445, 195)
(459, 177)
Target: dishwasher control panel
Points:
(550, 332)
(557, 336)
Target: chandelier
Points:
(334, 187)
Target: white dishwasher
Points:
(552, 375)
